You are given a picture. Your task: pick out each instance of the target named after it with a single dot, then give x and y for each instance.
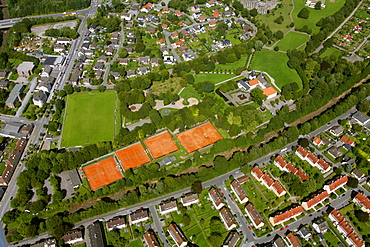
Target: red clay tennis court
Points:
(161, 145)
(102, 173)
(132, 156)
(199, 137)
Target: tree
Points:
(362, 216)
(101, 88)
(304, 13)
(258, 45)
(68, 89)
(185, 220)
(253, 12)
(304, 142)
(352, 182)
(216, 225)
(318, 5)
(196, 187)
(258, 96)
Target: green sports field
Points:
(292, 40)
(275, 64)
(90, 118)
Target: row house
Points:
(151, 239)
(268, 182)
(177, 235)
(216, 199)
(336, 183)
(254, 216)
(227, 218)
(138, 216)
(290, 168)
(189, 200)
(116, 223)
(239, 192)
(321, 164)
(293, 240)
(231, 240)
(315, 199)
(345, 229)
(73, 237)
(363, 202)
(287, 215)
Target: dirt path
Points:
(328, 105)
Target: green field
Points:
(215, 78)
(275, 64)
(331, 51)
(89, 118)
(233, 66)
(284, 11)
(315, 15)
(292, 40)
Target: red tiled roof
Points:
(356, 240)
(216, 13)
(253, 82)
(346, 227)
(269, 91)
(213, 23)
(317, 140)
(302, 151)
(335, 184)
(321, 196)
(288, 214)
(293, 240)
(312, 157)
(362, 200)
(345, 139)
(161, 41)
(280, 160)
(323, 164)
(257, 171)
(175, 35)
(268, 180)
(278, 187)
(337, 215)
(302, 175)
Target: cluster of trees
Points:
(102, 19)
(65, 32)
(20, 8)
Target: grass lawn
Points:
(90, 118)
(331, 51)
(2, 167)
(136, 243)
(189, 92)
(284, 11)
(292, 40)
(315, 15)
(275, 64)
(233, 66)
(215, 78)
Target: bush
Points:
(304, 13)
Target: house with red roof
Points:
(270, 92)
(290, 168)
(216, 199)
(293, 240)
(165, 10)
(212, 24)
(285, 216)
(363, 202)
(354, 240)
(165, 26)
(336, 183)
(257, 173)
(336, 217)
(345, 139)
(175, 35)
(268, 182)
(227, 218)
(301, 153)
(317, 141)
(177, 44)
(146, 8)
(216, 14)
(160, 42)
(278, 189)
(311, 158)
(344, 228)
(178, 13)
(239, 192)
(315, 199)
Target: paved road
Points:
(29, 94)
(158, 225)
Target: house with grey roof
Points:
(16, 130)
(39, 98)
(4, 84)
(361, 118)
(14, 96)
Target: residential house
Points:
(279, 242)
(177, 235)
(268, 182)
(361, 118)
(154, 62)
(212, 24)
(175, 35)
(25, 69)
(336, 217)
(243, 85)
(151, 239)
(178, 13)
(123, 61)
(98, 66)
(165, 51)
(227, 218)
(282, 217)
(63, 41)
(270, 92)
(146, 8)
(142, 24)
(14, 96)
(73, 237)
(44, 86)
(46, 71)
(358, 174)
(160, 42)
(129, 49)
(210, 3)
(315, 199)
(75, 77)
(239, 191)
(39, 98)
(177, 44)
(363, 202)
(131, 41)
(215, 198)
(354, 240)
(126, 16)
(45, 243)
(320, 225)
(109, 51)
(138, 216)
(144, 60)
(336, 183)
(165, 26)
(293, 240)
(231, 240)
(224, 44)
(4, 73)
(348, 141)
(290, 168)
(189, 199)
(254, 216)
(304, 232)
(169, 60)
(16, 130)
(189, 55)
(4, 84)
(336, 130)
(334, 152)
(321, 164)
(143, 70)
(58, 48)
(130, 73)
(168, 207)
(150, 30)
(317, 141)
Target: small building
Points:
(239, 192)
(177, 235)
(227, 218)
(4, 84)
(293, 240)
(336, 183)
(25, 69)
(39, 98)
(334, 152)
(72, 177)
(151, 239)
(189, 199)
(304, 232)
(14, 96)
(320, 225)
(138, 216)
(168, 207)
(45, 243)
(73, 237)
(231, 240)
(336, 130)
(357, 174)
(363, 202)
(116, 223)
(16, 130)
(361, 118)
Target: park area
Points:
(90, 118)
(132, 156)
(292, 40)
(199, 137)
(102, 173)
(275, 64)
(161, 145)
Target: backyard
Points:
(275, 64)
(90, 118)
